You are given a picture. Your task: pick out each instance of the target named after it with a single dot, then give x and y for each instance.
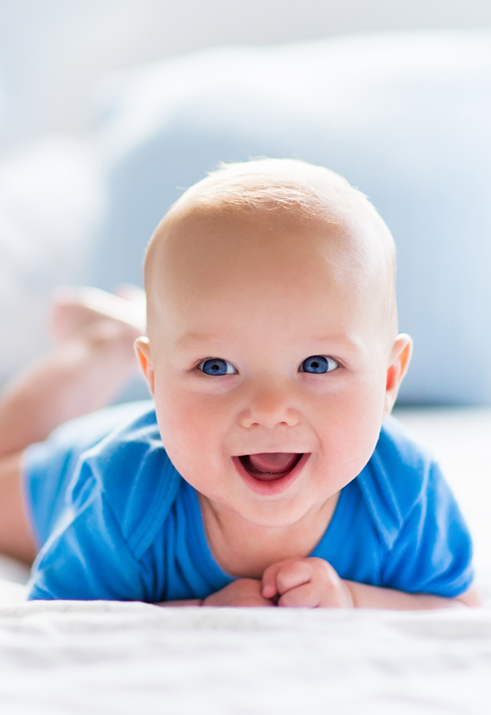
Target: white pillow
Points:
(405, 117)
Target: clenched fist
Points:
(243, 592)
(305, 583)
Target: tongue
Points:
(272, 462)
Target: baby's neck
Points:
(245, 550)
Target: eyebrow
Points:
(338, 340)
(190, 339)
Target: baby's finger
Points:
(285, 575)
(292, 574)
(269, 589)
(305, 596)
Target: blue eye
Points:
(217, 366)
(318, 364)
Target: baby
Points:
(265, 472)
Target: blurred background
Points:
(53, 52)
(109, 107)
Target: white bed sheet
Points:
(100, 657)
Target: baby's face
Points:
(268, 363)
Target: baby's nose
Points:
(269, 407)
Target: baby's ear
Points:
(399, 361)
(142, 347)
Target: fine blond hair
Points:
(285, 190)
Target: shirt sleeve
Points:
(433, 550)
(86, 557)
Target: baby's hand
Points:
(243, 592)
(306, 583)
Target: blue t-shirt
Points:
(115, 520)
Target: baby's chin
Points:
(279, 515)
(267, 501)
(277, 519)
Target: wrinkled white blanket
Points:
(72, 657)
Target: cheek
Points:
(191, 428)
(350, 425)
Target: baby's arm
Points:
(313, 583)
(245, 592)
(365, 596)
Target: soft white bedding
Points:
(133, 658)
(100, 657)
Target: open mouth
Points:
(270, 466)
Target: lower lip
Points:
(272, 486)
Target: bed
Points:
(102, 657)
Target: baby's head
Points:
(272, 347)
